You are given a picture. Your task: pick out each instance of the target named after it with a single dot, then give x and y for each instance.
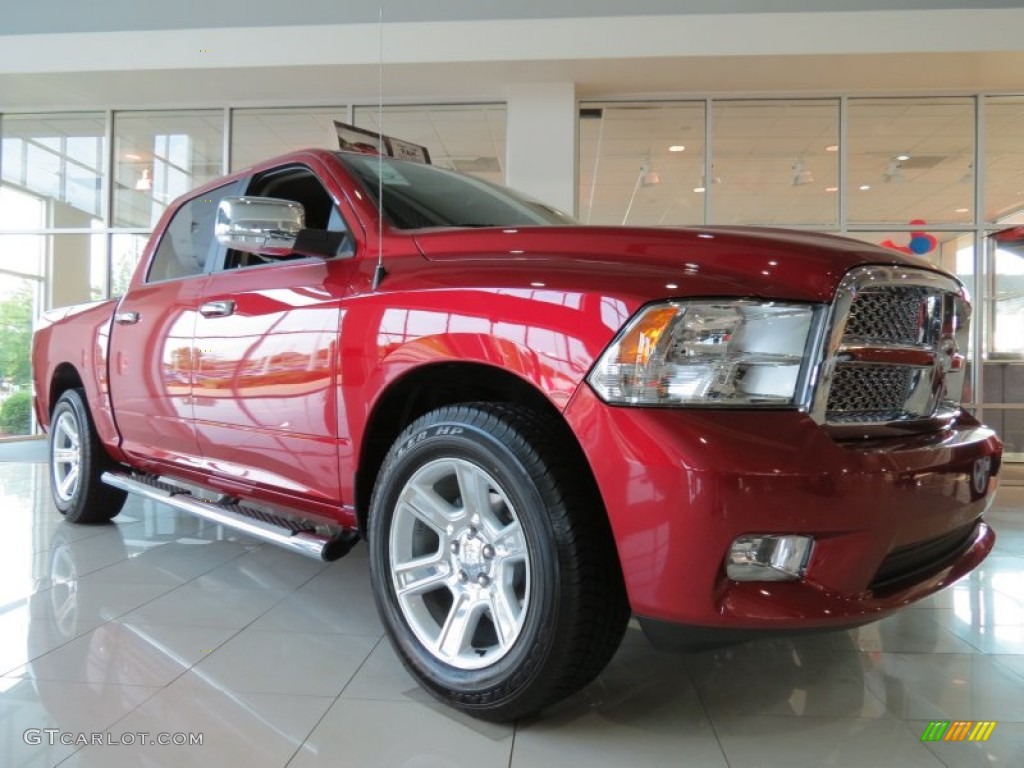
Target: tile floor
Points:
(164, 624)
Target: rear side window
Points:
(189, 240)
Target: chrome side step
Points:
(282, 531)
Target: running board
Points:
(282, 531)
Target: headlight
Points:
(711, 353)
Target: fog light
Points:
(768, 558)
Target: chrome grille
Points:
(895, 345)
(868, 393)
(892, 315)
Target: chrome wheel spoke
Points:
(65, 455)
(503, 615)
(421, 575)
(475, 490)
(454, 638)
(510, 543)
(426, 505)
(67, 485)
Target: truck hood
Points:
(771, 263)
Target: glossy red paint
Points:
(273, 401)
(681, 486)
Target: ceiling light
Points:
(831, 189)
(700, 189)
(901, 158)
(961, 210)
(864, 187)
(832, 148)
(677, 148)
(801, 175)
(132, 157)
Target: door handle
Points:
(126, 318)
(217, 308)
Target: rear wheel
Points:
(492, 561)
(77, 461)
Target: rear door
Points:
(151, 354)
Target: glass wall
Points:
(776, 162)
(910, 159)
(51, 180)
(159, 156)
(463, 137)
(642, 164)
(257, 134)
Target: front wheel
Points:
(492, 561)
(77, 461)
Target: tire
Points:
(77, 461)
(509, 603)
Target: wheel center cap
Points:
(471, 553)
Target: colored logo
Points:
(958, 730)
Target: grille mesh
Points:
(868, 393)
(892, 315)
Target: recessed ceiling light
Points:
(537, 285)
(132, 157)
(671, 286)
(677, 148)
(832, 148)
(699, 189)
(961, 210)
(864, 187)
(831, 189)
(901, 158)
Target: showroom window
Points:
(642, 164)
(775, 162)
(463, 137)
(1004, 159)
(910, 159)
(51, 204)
(258, 134)
(159, 156)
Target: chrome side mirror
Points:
(263, 225)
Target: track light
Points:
(894, 173)
(648, 178)
(145, 181)
(801, 175)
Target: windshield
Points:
(418, 196)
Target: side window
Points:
(299, 184)
(189, 239)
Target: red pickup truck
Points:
(538, 428)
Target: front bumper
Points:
(893, 519)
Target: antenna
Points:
(379, 272)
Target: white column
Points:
(540, 157)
